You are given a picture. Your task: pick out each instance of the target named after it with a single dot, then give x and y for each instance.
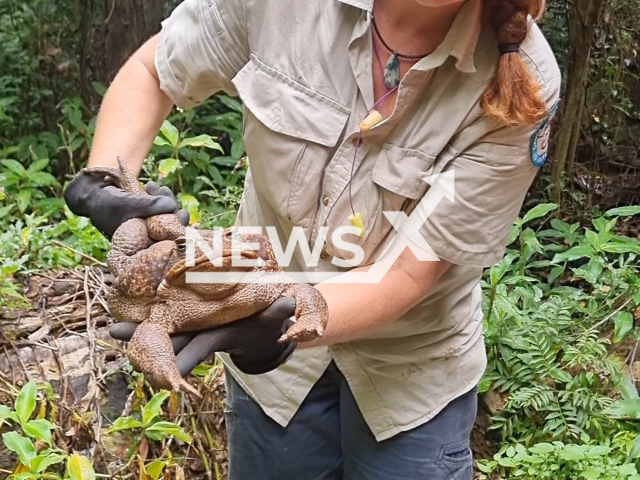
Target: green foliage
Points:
(37, 455)
(559, 461)
(548, 303)
(37, 68)
(210, 187)
(149, 424)
(38, 232)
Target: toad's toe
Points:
(301, 332)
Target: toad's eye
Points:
(181, 247)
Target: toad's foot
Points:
(312, 314)
(151, 353)
(304, 330)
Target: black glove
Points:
(107, 206)
(252, 343)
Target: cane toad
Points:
(150, 286)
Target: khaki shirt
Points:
(304, 73)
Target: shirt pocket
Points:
(395, 182)
(500, 155)
(290, 135)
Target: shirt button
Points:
(354, 141)
(325, 200)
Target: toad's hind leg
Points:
(312, 314)
(151, 353)
(122, 177)
(130, 238)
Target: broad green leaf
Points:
(169, 429)
(26, 401)
(624, 409)
(37, 166)
(22, 199)
(45, 460)
(573, 254)
(600, 223)
(155, 468)
(542, 448)
(599, 451)
(627, 469)
(79, 468)
(42, 179)
(539, 211)
(560, 375)
(231, 103)
(550, 233)
(621, 247)
(237, 149)
(39, 429)
(6, 412)
(76, 144)
(202, 370)
(635, 449)
(572, 453)
(506, 462)
(15, 167)
(592, 238)
(514, 232)
(627, 388)
(154, 406)
(485, 468)
(624, 211)
(498, 270)
(168, 166)
(623, 322)
(161, 142)
(530, 240)
(568, 291)
(20, 445)
(99, 88)
(124, 423)
(215, 175)
(559, 225)
(554, 274)
(484, 385)
(191, 204)
(591, 473)
(170, 133)
(201, 141)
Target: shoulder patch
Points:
(540, 139)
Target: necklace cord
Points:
(359, 141)
(400, 55)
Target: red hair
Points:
(514, 96)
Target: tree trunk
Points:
(583, 16)
(128, 24)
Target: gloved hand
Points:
(252, 342)
(107, 206)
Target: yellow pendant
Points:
(370, 121)
(356, 221)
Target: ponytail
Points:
(514, 96)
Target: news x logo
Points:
(407, 235)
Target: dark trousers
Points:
(328, 439)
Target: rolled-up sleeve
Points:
(491, 179)
(202, 46)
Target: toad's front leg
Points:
(312, 313)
